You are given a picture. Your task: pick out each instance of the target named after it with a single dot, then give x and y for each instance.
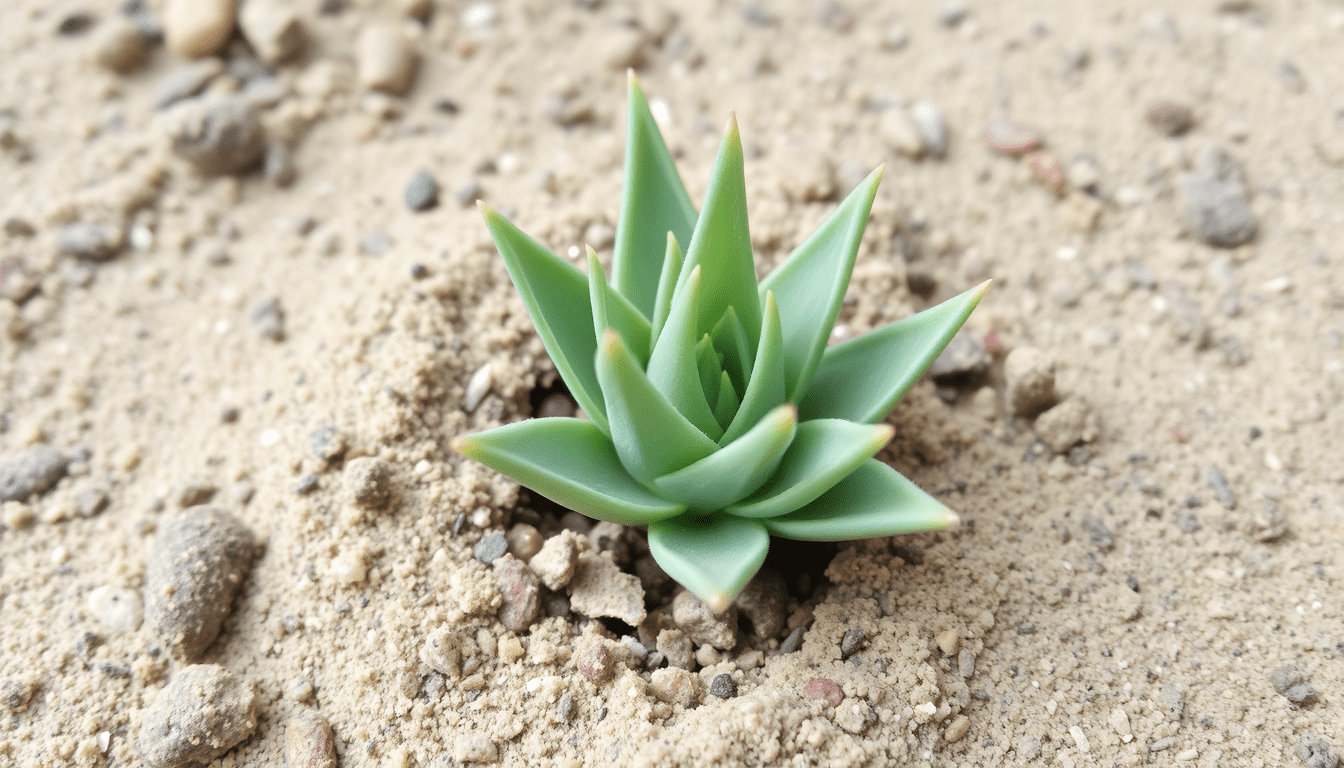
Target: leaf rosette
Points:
(717, 414)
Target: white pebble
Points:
(1187, 755)
(1278, 285)
(270, 437)
(479, 15)
(349, 567)
(1067, 253)
(1080, 739)
(422, 468)
(141, 237)
(59, 555)
(104, 740)
(119, 609)
(478, 387)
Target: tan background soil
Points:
(138, 364)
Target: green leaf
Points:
(730, 338)
(822, 454)
(572, 463)
(555, 293)
(722, 478)
(615, 312)
(875, 500)
(811, 284)
(726, 402)
(714, 556)
(667, 285)
(765, 388)
(653, 203)
(673, 369)
(721, 245)
(863, 379)
(708, 366)
(651, 437)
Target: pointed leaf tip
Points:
(718, 602)
(952, 518)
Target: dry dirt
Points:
(1146, 635)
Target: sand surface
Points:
(1103, 604)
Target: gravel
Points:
(1214, 200)
(1097, 531)
(703, 625)
(491, 547)
(556, 561)
(1221, 490)
(1316, 753)
(794, 641)
(422, 191)
(91, 241)
(309, 742)
(202, 713)
(217, 134)
(327, 443)
(368, 482)
(1292, 684)
(520, 600)
(852, 642)
(195, 569)
(599, 588)
(385, 60)
(196, 28)
(31, 472)
(1029, 375)
(268, 317)
(723, 686)
(1170, 118)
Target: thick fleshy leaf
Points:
(673, 369)
(709, 366)
(727, 476)
(721, 245)
(765, 390)
(555, 293)
(570, 462)
(822, 454)
(726, 401)
(863, 379)
(874, 500)
(811, 284)
(714, 556)
(653, 203)
(651, 437)
(615, 311)
(730, 338)
(597, 293)
(667, 285)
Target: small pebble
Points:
(491, 547)
(368, 482)
(218, 134)
(268, 317)
(1063, 426)
(1097, 531)
(677, 648)
(193, 492)
(963, 359)
(375, 243)
(16, 693)
(307, 484)
(118, 609)
(422, 191)
(564, 708)
(309, 742)
(1214, 198)
(674, 685)
(952, 14)
(520, 599)
(196, 566)
(794, 641)
(1221, 489)
(852, 642)
(1029, 375)
(825, 689)
(85, 240)
(468, 193)
(599, 588)
(594, 661)
(763, 603)
(702, 624)
(476, 748)
(1011, 138)
(1170, 118)
(1290, 683)
(91, 501)
(277, 166)
(74, 23)
(273, 29)
(932, 130)
(1316, 753)
(31, 472)
(186, 81)
(524, 541)
(957, 729)
(554, 564)
(723, 686)
(201, 714)
(899, 131)
(196, 28)
(327, 443)
(385, 60)
(118, 45)
(478, 387)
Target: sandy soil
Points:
(1103, 605)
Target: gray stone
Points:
(852, 642)
(368, 482)
(723, 686)
(422, 191)
(564, 708)
(1221, 490)
(195, 569)
(961, 361)
(33, 471)
(16, 692)
(1172, 701)
(328, 444)
(1316, 753)
(491, 547)
(763, 602)
(966, 663)
(218, 134)
(1292, 684)
(520, 596)
(794, 641)
(702, 624)
(186, 81)
(91, 500)
(268, 317)
(1097, 531)
(1214, 199)
(202, 713)
(92, 241)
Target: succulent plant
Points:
(717, 414)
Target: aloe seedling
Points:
(717, 413)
